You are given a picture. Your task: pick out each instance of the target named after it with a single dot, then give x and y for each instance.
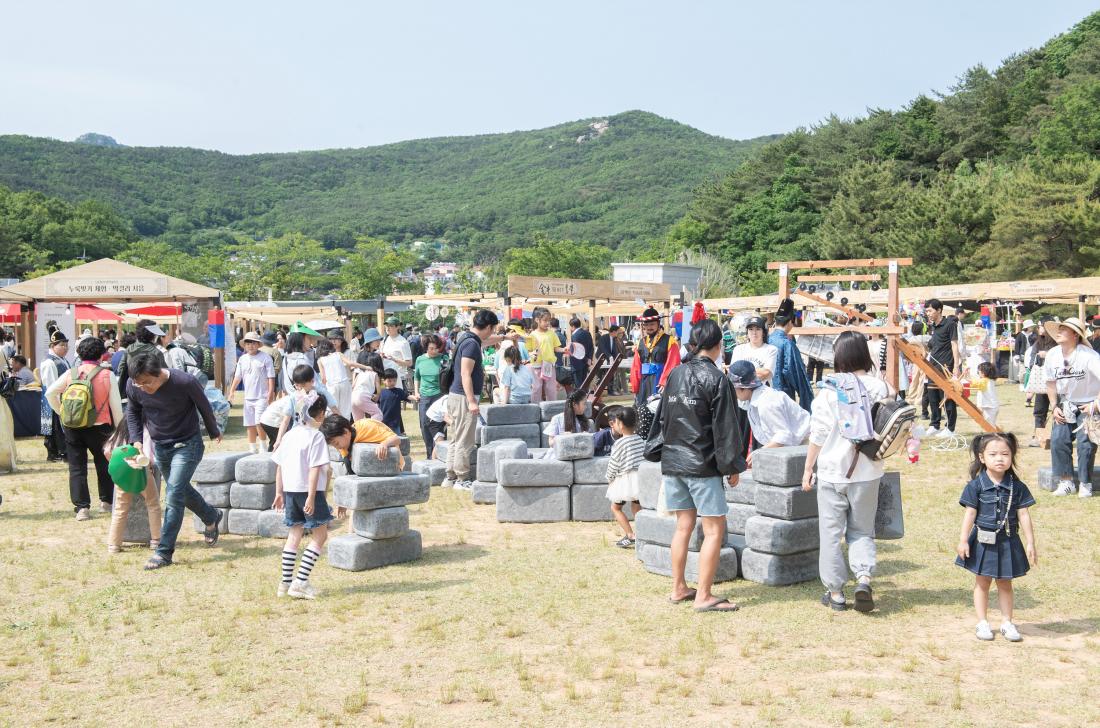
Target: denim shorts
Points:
(706, 496)
(294, 510)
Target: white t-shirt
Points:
(396, 347)
(303, 448)
(254, 371)
(836, 450)
(1078, 376)
(438, 409)
(274, 413)
(762, 357)
(290, 363)
(775, 417)
(335, 369)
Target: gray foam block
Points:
(780, 466)
(530, 434)
(352, 552)
(489, 455)
(533, 505)
(744, 492)
(654, 528)
(365, 462)
(217, 467)
(1047, 481)
(785, 503)
(737, 515)
(136, 528)
(254, 496)
(657, 559)
(511, 414)
(272, 524)
(649, 484)
(538, 453)
(358, 494)
(889, 518)
(547, 410)
(574, 446)
(639, 547)
(441, 455)
(223, 525)
(590, 503)
(591, 471)
(381, 522)
(483, 493)
(244, 521)
(258, 468)
(544, 441)
(776, 570)
(736, 542)
(435, 470)
(216, 494)
(405, 445)
(772, 536)
(534, 473)
(407, 464)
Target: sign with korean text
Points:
(83, 288)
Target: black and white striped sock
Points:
(309, 558)
(289, 557)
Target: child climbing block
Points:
(654, 528)
(737, 515)
(889, 519)
(744, 492)
(272, 524)
(352, 552)
(649, 484)
(590, 503)
(244, 522)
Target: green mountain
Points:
(998, 179)
(618, 180)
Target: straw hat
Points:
(1074, 324)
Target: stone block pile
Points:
(378, 495)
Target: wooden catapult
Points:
(891, 332)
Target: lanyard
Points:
(1008, 506)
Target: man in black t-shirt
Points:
(943, 353)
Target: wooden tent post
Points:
(27, 335)
(592, 328)
(380, 315)
(1081, 313)
(892, 320)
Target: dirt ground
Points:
(533, 625)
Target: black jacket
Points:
(698, 423)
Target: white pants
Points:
(846, 511)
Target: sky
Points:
(244, 77)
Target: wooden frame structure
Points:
(892, 331)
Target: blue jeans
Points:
(1061, 452)
(177, 464)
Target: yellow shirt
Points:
(541, 345)
(373, 431)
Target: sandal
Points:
(719, 606)
(689, 597)
(211, 536)
(828, 601)
(865, 601)
(156, 562)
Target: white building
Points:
(679, 277)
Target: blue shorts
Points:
(706, 496)
(295, 515)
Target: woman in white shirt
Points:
(333, 366)
(757, 350)
(1072, 374)
(847, 497)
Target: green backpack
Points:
(78, 410)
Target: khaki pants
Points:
(121, 511)
(460, 433)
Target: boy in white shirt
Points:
(300, 481)
(257, 370)
(776, 419)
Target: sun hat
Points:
(370, 335)
(743, 375)
(1029, 324)
(1073, 323)
(300, 328)
(155, 330)
(269, 338)
(252, 336)
(393, 321)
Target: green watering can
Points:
(127, 477)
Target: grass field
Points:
(532, 625)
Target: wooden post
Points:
(380, 315)
(592, 328)
(936, 378)
(27, 335)
(892, 320)
(784, 283)
(347, 328)
(95, 329)
(1081, 313)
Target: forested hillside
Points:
(482, 195)
(997, 179)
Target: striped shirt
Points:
(626, 455)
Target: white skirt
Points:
(624, 488)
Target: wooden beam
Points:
(847, 310)
(936, 377)
(821, 264)
(830, 330)
(892, 319)
(830, 278)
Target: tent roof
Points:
(6, 294)
(107, 281)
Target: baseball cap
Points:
(756, 321)
(743, 375)
(252, 336)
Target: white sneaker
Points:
(464, 485)
(983, 631)
(1085, 491)
(82, 514)
(447, 483)
(283, 589)
(302, 590)
(1009, 631)
(944, 434)
(1065, 487)
(930, 432)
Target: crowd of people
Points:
(701, 407)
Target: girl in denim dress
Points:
(990, 546)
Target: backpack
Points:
(203, 357)
(875, 429)
(78, 410)
(9, 384)
(447, 369)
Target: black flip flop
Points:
(865, 601)
(689, 598)
(211, 537)
(716, 607)
(156, 562)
